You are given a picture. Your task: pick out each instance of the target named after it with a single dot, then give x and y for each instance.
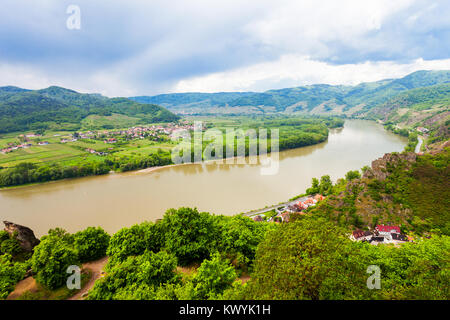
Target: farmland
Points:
(71, 152)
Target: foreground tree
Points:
(190, 235)
(10, 273)
(307, 259)
(50, 261)
(91, 243)
(138, 277)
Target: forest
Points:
(231, 258)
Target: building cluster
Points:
(141, 132)
(138, 132)
(300, 206)
(381, 234)
(283, 213)
(422, 130)
(92, 151)
(13, 147)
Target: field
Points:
(71, 152)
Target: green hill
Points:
(60, 108)
(402, 189)
(427, 107)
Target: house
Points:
(422, 129)
(110, 140)
(360, 235)
(399, 237)
(376, 239)
(257, 218)
(387, 230)
(318, 197)
(43, 143)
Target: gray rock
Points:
(24, 234)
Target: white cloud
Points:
(145, 48)
(294, 70)
(307, 26)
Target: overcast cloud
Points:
(136, 47)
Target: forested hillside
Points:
(63, 109)
(400, 189)
(427, 107)
(314, 99)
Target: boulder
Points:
(24, 234)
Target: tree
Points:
(310, 258)
(352, 174)
(10, 274)
(51, 258)
(190, 235)
(414, 270)
(314, 187)
(135, 240)
(326, 185)
(239, 238)
(213, 277)
(137, 277)
(91, 243)
(9, 244)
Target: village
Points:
(157, 133)
(282, 212)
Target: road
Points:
(284, 204)
(419, 144)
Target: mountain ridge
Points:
(333, 99)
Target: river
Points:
(119, 200)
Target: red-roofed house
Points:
(387, 230)
(360, 235)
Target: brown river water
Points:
(123, 199)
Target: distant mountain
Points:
(60, 108)
(9, 90)
(312, 99)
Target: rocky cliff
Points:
(24, 235)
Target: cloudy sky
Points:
(132, 47)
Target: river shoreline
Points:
(151, 169)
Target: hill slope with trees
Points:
(313, 99)
(63, 109)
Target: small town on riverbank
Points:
(152, 132)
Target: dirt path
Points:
(96, 268)
(25, 285)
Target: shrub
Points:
(91, 243)
(10, 274)
(135, 240)
(213, 277)
(190, 235)
(50, 261)
(136, 277)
